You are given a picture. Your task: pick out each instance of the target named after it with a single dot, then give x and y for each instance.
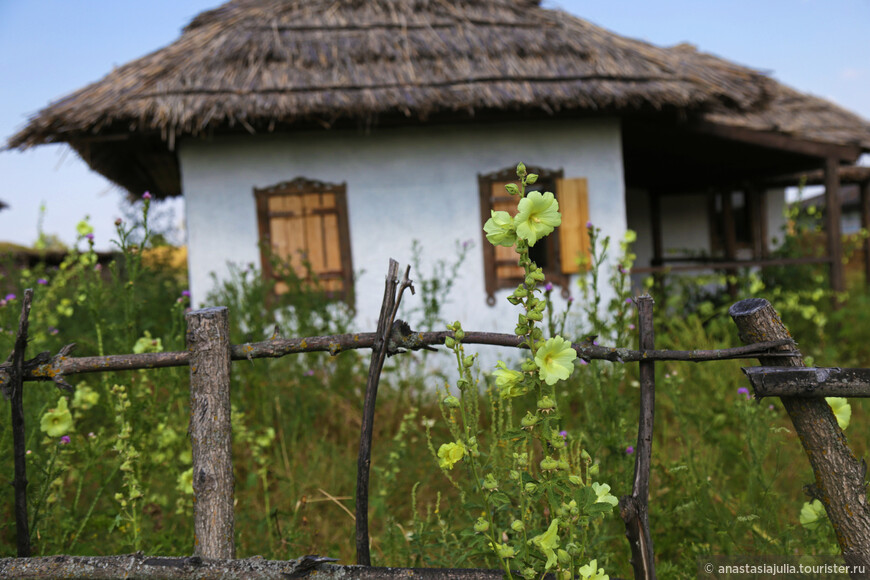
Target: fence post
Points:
(839, 475)
(634, 508)
(208, 340)
(19, 483)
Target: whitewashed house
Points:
(344, 130)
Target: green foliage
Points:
(727, 474)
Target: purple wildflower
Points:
(309, 373)
(589, 225)
(42, 281)
(185, 293)
(146, 196)
(548, 287)
(9, 297)
(631, 326)
(628, 300)
(629, 450)
(744, 391)
(98, 268)
(564, 434)
(64, 440)
(52, 330)
(90, 237)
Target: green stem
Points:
(87, 517)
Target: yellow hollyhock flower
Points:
(58, 421)
(500, 229)
(548, 542)
(842, 410)
(450, 453)
(555, 360)
(537, 216)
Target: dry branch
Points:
(46, 368)
(133, 566)
(383, 336)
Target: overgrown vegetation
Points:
(110, 472)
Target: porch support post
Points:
(832, 223)
(756, 198)
(864, 188)
(655, 213)
(729, 229)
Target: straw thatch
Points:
(267, 65)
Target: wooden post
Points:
(634, 508)
(839, 475)
(19, 483)
(864, 189)
(210, 431)
(832, 224)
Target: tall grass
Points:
(727, 472)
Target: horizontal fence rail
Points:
(44, 367)
(808, 382)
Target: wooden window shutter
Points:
(573, 196)
(304, 225)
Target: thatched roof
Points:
(267, 65)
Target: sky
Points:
(50, 48)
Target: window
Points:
(304, 223)
(558, 254)
(732, 213)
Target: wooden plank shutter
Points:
(304, 223)
(573, 196)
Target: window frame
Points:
(301, 186)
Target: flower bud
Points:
(535, 315)
(514, 474)
(468, 361)
(449, 342)
(512, 189)
(521, 170)
(530, 487)
(546, 405)
(521, 330)
(451, 402)
(490, 483)
(549, 464)
(564, 557)
(529, 365)
(531, 178)
(481, 525)
(529, 421)
(518, 526)
(459, 334)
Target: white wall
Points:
(402, 184)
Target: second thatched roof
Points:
(267, 65)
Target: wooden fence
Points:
(839, 476)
